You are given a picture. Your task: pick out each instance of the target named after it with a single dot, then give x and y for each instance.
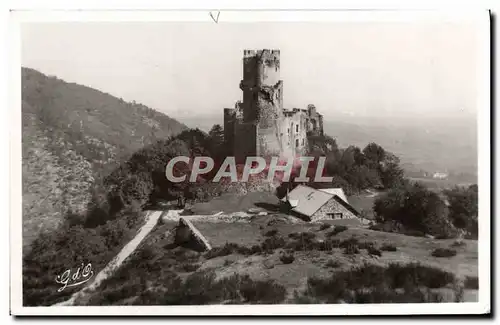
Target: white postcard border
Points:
(481, 17)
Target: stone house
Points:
(311, 204)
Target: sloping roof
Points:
(336, 191)
(346, 205)
(309, 199)
(306, 200)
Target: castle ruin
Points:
(259, 125)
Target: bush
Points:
(272, 243)
(307, 236)
(287, 258)
(271, 233)
(471, 282)
(261, 292)
(377, 284)
(366, 245)
(348, 242)
(351, 249)
(255, 249)
(373, 251)
(336, 230)
(324, 226)
(333, 264)
(414, 233)
(187, 267)
(388, 248)
(228, 249)
(377, 227)
(340, 228)
(444, 252)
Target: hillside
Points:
(73, 136)
(247, 266)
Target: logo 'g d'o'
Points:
(80, 276)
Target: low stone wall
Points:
(187, 235)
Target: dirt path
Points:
(152, 219)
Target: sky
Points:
(387, 70)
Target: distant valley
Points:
(431, 145)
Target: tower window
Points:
(302, 141)
(297, 143)
(297, 128)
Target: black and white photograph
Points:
(225, 162)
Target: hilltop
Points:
(72, 137)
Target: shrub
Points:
(187, 267)
(373, 251)
(272, 243)
(324, 226)
(271, 233)
(287, 258)
(228, 249)
(366, 245)
(308, 236)
(336, 230)
(388, 248)
(471, 282)
(444, 252)
(333, 264)
(377, 284)
(377, 227)
(351, 249)
(255, 249)
(414, 233)
(415, 274)
(348, 242)
(225, 250)
(261, 292)
(340, 228)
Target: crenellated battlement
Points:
(269, 58)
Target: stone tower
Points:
(258, 134)
(259, 125)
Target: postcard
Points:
(250, 162)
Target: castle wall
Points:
(294, 129)
(315, 120)
(245, 141)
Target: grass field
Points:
(161, 264)
(289, 258)
(229, 203)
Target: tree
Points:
(217, 148)
(374, 153)
(463, 205)
(415, 207)
(216, 135)
(391, 173)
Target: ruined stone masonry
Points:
(259, 125)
